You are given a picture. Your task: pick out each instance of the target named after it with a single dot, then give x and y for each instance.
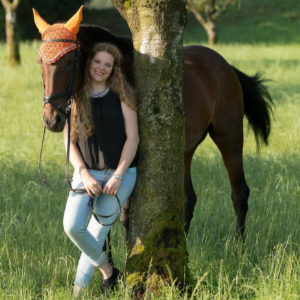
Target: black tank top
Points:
(103, 149)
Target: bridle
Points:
(71, 88)
(67, 112)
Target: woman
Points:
(104, 135)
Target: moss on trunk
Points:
(161, 254)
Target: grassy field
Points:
(37, 261)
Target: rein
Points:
(67, 112)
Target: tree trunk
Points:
(210, 28)
(157, 245)
(12, 44)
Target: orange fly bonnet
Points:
(54, 50)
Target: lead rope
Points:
(40, 166)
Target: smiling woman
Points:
(104, 138)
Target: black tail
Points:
(257, 104)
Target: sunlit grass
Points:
(39, 262)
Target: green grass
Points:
(37, 260)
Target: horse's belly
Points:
(199, 103)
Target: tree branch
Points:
(6, 4)
(222, 10)
(15, 4)
(208, 10)
(198, 16)
(10, 6)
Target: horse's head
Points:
(59, 58)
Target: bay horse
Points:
(216, 97)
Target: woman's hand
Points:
(112, 186)
(92, 186)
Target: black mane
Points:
(89, 35)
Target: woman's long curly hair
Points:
(81, 109)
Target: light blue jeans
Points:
(91, 238)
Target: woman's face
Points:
(101, 67)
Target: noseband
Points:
(71, 88)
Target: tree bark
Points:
(12, 44)
(157, 245)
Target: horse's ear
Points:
(73, 24)
(39, 22)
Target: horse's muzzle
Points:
(54, 119)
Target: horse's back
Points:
(210, 88)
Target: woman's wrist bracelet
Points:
(118, 176)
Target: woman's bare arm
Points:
(91, 184)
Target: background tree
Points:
(53, 10)
(157, 245)
(206, 12)
(12, 42)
